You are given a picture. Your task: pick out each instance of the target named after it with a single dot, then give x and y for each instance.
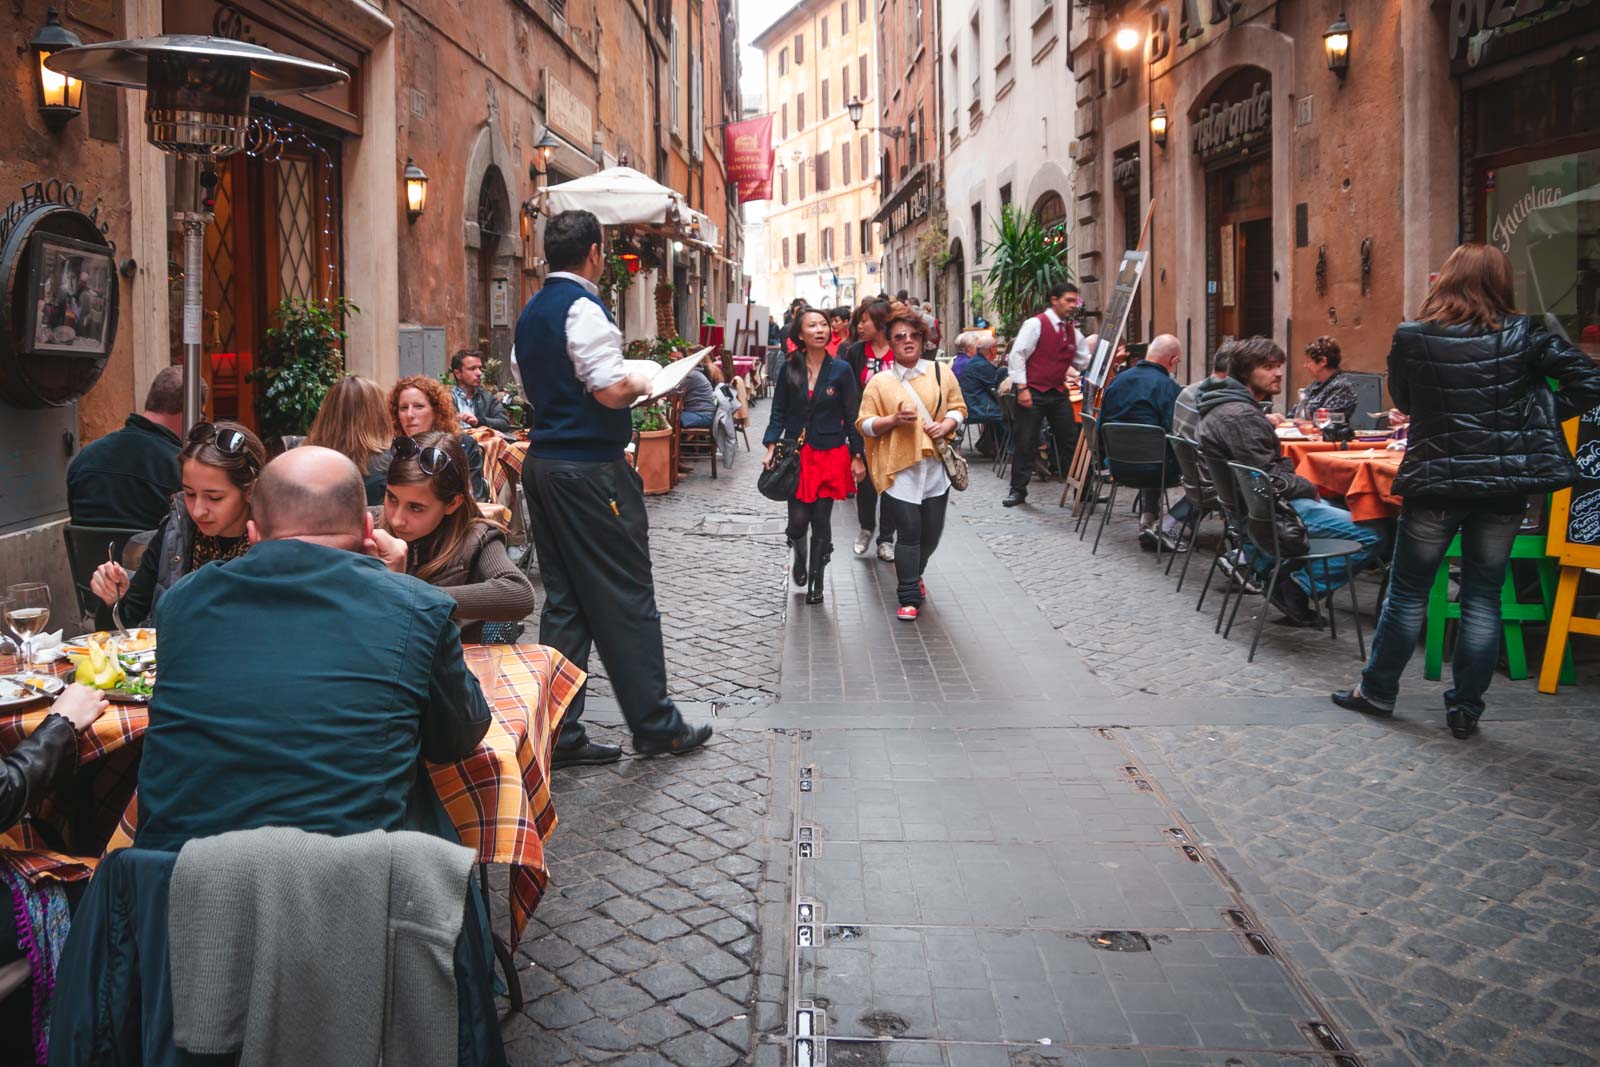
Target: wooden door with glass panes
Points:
(1239, 251)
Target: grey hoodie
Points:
(1234, 429)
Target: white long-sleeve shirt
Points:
(926, 477)
(594, 344)
(1028, 339)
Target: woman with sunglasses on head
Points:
(903, 412)
(418, 404)
(867, 356)
(816, 395)
(448, 543)
(354, 421)
(219, 465)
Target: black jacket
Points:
(489, 411)
(1483, 421)
(44, 761)
(1234, 429)
(126, 478)
(833, 421)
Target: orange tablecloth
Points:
(498, 797)
(1296, 449)
(1364, 477)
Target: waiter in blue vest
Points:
(585, 502)
(1048, 352)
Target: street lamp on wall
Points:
(1127, 38)
(543, 149)
(60, 96)
(1158, 125)
(416, 190)
(1336, 42)
(856, 109)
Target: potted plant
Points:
(302, 359)
(1026, 260)
(654, 458)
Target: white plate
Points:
(14, 694)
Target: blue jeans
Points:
(697, 420)
(1425, 534)
(1324, 520)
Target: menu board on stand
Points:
(1575, 541)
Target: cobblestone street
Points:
(1057, 821)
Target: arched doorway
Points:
(1233, 142)
(1051, 211)
(492, 271)
(954, 284)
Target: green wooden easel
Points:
(1513, 612)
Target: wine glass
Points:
(1320, 419)
(10, 652)
(28, 613)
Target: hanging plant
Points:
(615, 281)
(1027, 259)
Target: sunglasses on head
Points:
(430, 458)
(228, 441)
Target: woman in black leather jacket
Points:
(1485, 433)
(47, 758)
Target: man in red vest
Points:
(1048, 348)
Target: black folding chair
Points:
(1131, 450)
(1094, 478)
(1230, 557)
(86, 550)
(1200, 494)
(1255, 494)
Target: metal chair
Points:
(1094, 479)
(1201, 495)
(1369, 391)
(1229, 557)
(86, 550)
(1254, 491)
(1131, 449)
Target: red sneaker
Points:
(922, 587)
(907, 613)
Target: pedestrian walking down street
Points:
(871, 353)
(815, 395)
(1048, 351)
(1485, 432)
(905, 466)
(589, 527)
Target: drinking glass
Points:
(28, 613)
(1320, 419)
(10, 651)
(484, 663)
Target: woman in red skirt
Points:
(816, 394)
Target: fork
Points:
(111, 557)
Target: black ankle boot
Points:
(821, 552)
(799, 570)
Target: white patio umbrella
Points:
(622, 196)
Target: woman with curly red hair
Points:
(418, 404)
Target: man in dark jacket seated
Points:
(475, 405)
(300, 682)
(1234, 429)
(127, 478)
(979, 379)
(1144, 394)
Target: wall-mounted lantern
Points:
(60, 95)
(1336, 43)
(1158, 125)
(416, 190)
(1127, 38)
(543, 149)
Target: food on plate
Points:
(100, 668)
(29, 686)
(140, 640)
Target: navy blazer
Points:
(979, 380)
(832, 419)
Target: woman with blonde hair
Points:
(354, 421)
(418, 404)
(1485, 434)
(904, 411)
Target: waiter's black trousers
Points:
(1056, 406)
(593, 543)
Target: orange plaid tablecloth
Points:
(509, 467)
(498, 797)
(1364, 477)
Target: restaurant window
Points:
(799, 111)
(824, 172)
(799, 49)
(824, 42)
(844, 163)
(844, 17)
(786, 252)
(800, 248)
(844, 85)
(824, 105)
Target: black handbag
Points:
(780, 481)
(1294, 539)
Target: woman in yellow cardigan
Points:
(905, 470)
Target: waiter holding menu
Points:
(586, 504)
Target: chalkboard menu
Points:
(1575, 512)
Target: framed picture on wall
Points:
(72, 289)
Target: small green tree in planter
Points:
(654, 459)
(304, 356)
(1026, 260)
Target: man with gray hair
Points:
(1145, 394)
(301, 682)
(127, 478)
(966, 348)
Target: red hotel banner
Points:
(748, 146)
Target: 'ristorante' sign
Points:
(1225, 128)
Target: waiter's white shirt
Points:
(926, 477)
(1028, 339)
(594, 344)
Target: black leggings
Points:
(920, 527)
(869, 514)
(817, 515)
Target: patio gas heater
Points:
(197, 107)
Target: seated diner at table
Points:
(1235, 429)
(1331, 389)
(218, 468)
(364, 660)
(353, 420)
(449, 544)
(126, 478)
(418, 404)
